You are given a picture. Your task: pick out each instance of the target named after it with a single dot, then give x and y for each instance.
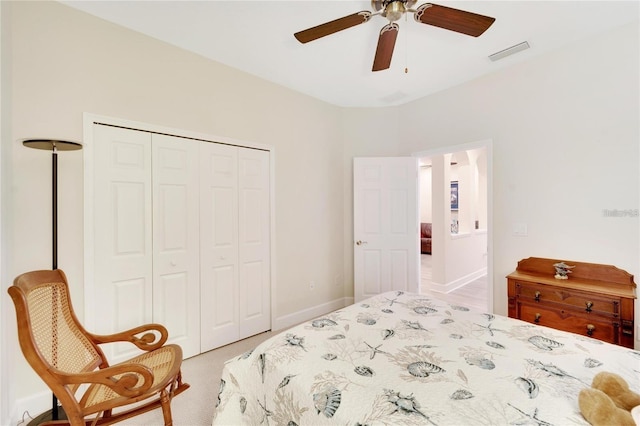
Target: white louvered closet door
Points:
(176, 251)
(122, 222)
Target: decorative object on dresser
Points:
(562, 271)
(597, 300)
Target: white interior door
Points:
(254, 242)
(219, 293)
(176, 251)
(386, 230)
(122, 222)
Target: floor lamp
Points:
(54, 146)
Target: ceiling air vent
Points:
(394, 97)
(509, 51)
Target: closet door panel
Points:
(171, 309)
(254, 242)
(219, 245)
(123, 234)
(224, 313)
(181, 237)
(176, 252)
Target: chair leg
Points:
(165, 400)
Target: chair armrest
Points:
(147, 342)
(124, 385)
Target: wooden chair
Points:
(69, 360)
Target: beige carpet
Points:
(195, 406)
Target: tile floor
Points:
(473, 294)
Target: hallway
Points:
(473, 295)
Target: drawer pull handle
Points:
(537, 297)
(537, 320)
(590, 329)
(589, 306)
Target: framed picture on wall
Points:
(454, 195)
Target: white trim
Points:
(272, 229)
(30, 407)
(89, 236)
(295, 318)
(460, 282)
(89, 119)
(154, 128)
(460, 235)
(454, 148)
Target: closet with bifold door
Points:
(181, 237)
(234, 289)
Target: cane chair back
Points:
(69, 360)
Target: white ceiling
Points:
(257, 37)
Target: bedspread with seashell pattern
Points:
(406, 359)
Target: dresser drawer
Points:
(586, 325)
(596, 300)
(585, 302)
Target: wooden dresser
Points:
(596, 300)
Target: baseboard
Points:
(30, 407)
(295, 318)
(460, 282)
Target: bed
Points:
(406, 359)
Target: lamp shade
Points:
(51, 144)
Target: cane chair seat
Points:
(69, 359)
(164, 364)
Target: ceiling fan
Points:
(431, 14)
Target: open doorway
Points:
(454, 212)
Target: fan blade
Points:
(386, 43)
(453, 19)
(331, 27)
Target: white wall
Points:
(564, 126)
(565, 133)
(425, 195)
(367, 132)
(7, 331)
(65, 62)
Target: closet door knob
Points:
(173, 263)
(359, 243)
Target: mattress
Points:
(406, 359)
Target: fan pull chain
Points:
(406, 47)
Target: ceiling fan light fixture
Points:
(448, 18)
(394, 10)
